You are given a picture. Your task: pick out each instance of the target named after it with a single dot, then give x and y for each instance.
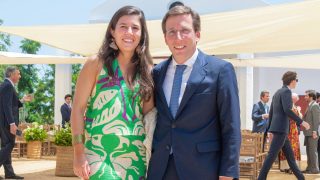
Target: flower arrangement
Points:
(35, 133)
(63, 137)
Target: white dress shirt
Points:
(168, 81)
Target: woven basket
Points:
(64, 161)
(34, 149)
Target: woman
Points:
(293, 137)
(119, 85)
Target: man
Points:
(318, 148)
(280, 111)
(66, 110)
(260, 114)
(312, 116)
(9, 119)
(197, 135)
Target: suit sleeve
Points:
(7, 103)
(286, 100)
(315, 118)
(64, 113)
(270, 115)
(229, 118)
(256, 116)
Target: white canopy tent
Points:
(289, 27)
(18, 58)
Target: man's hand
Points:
(265, 116)
(13, 129)
(314, 134)
(270, 137)
(27, 98)
(305, 125)
(225, 178)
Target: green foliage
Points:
(5, 41)
(75, 73)
(29, 46)
(42, 107)
(63, 137)
(35, 133)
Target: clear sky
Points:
(53, 12)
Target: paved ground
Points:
(44, 169)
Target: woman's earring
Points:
(113, 45)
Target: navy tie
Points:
(176, 87)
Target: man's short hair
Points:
(176, 3)
(288, 77)
(9, 71)
(318, 95)
(311, 93)
(263, 93)
(66, 96)
(181, 10)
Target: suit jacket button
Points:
(167, 147)
(173, 125)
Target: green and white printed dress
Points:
(114, 130)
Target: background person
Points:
(260, 113)
(66, 110)
(9, 118)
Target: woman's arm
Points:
(85, 83)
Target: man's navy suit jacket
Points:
(205, 135)
(281, 111)
(9, 105)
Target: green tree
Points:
(75, 73)
(29, 46)
(5, 43)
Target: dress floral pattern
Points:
(114, 130)
(293, 137)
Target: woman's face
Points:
(127, 33)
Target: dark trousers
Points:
(319, 153)
(171, 172)
(7, 144)
(280, 140)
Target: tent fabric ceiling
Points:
(287, 27)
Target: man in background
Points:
(9, 119)
(280, 111)
(66, 110)
(312, 116)
(260, 113)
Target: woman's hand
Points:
(80, 165)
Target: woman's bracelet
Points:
(77, 139)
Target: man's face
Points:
(307, 97)
(15, 76)
(265, 98)
(180, 37)
(68, 100)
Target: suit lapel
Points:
(161, 77)
(197, 75)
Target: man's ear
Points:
(198, 36)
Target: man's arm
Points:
(315, 110)
(64, 113)
(256, 116)
(229, 120)
(286, 100)
(7, 103)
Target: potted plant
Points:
(64, 155)
(34, 136)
